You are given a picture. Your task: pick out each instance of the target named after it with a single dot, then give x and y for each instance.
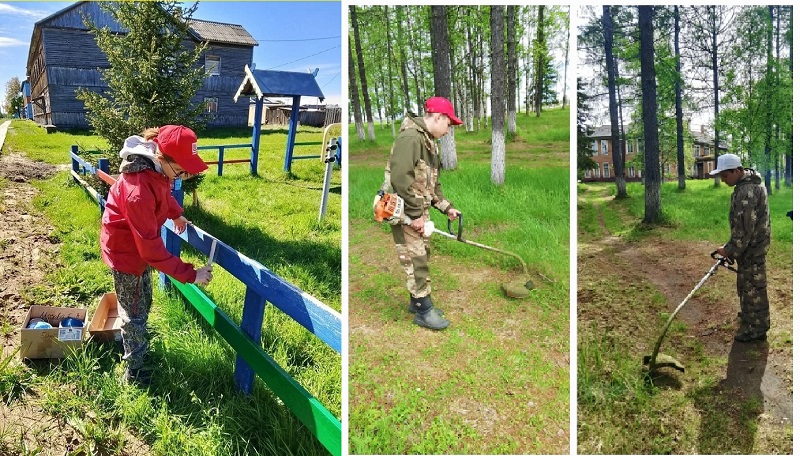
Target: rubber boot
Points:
(427, 317)
(412, 307)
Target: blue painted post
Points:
(171, 240)
(256, 136)
(293, 121)
(102, 165)
(220, 158)
(252, 319)
(75, 165)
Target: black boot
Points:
(427, 317)
(412, 307)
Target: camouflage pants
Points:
(751, 285)
(134, 298)
(414, 250)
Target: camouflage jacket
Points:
(749, 219)
(413, 169)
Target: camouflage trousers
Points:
(134, 298)
(751, 285)
(414, 251)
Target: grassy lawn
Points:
(497, 380)
(733, 398)
(193, 406)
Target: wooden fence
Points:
(262, 286)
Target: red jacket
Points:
(130, 237)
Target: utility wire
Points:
(331, 79)
(302, 39)
(303, 58)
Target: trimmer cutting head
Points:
(516, 290)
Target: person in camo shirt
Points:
(413, 172)
(748, 244)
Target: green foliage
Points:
(152, 78)
(585, 162)
(12, 101)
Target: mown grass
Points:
(620, 411)
(193, 406)
(443, 394)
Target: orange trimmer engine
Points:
(388, 207)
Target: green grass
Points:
(620, 411)
(497, 380)
(193, 406)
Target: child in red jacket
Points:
(130, 238)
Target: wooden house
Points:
(64, 56)
(702, 151)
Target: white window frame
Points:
(631, 171)
(603, 147)
(630, 146)
(594, 148)
(606, 170)
(696, 150)
(216, 65)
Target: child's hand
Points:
(180, 224)
(203, 275)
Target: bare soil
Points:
(759, 371)
(26, 244)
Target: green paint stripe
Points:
(325, 427)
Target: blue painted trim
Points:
(259, 109)
(252, 319)
(293, 122)
(305, 309)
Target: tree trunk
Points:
(778, 83)
(511, 46)
(789, 176)
(355, 101)
(678, 105)
(390, 114)
(566, 60)
(616, 146)
(498, 165)
(440, 43)
(362, 73)
(768, 126)
(540, 56)
(403, 57)
(652, 183)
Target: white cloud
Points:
(11, 42)
(33, 14)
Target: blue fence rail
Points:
(262, 286)
(253, 160)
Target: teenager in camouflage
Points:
(413, 172)
(748, 245)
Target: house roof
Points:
(219, 32)
(268, 83)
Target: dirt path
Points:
(26, 243)
(757, 371)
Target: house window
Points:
(587, 174)
(668, 169)
(696, 150)
(594, 147)
(211, 104)
(631, 171)
(212, 65)
(604, 147)
(630, 145)
(606, 172)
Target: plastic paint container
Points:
(70, 322)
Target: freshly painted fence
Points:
(262, 286)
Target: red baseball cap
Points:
(442, 105)
(180, 144)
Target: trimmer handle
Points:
(460, 226)
(723, 261)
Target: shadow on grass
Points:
(730, 408)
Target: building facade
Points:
(64, 57)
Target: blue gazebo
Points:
(266, 83)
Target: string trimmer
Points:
(656, 360)
(512, 290)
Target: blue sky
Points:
(265, 21)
